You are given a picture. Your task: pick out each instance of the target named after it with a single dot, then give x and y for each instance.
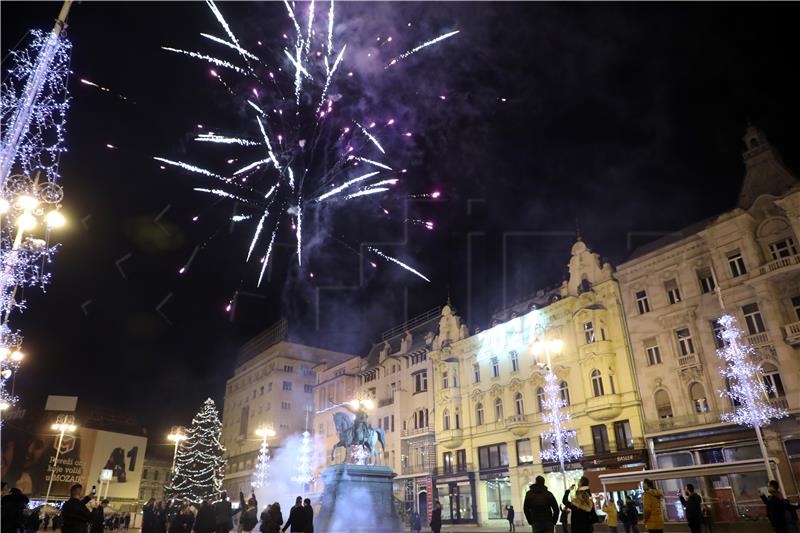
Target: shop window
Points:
(498, 497)
(698, 396)
(597, 383)
(479, 419)
(524, 452)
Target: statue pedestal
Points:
(357, 498)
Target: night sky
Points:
(626, 117)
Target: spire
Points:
(765, 172)
(577, 230)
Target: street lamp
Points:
(63, 424)
(262, 464)
(176, 435)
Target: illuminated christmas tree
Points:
(261, 475)
(304, 460)
(558, 435)
(199, 465)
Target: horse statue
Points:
(358, 432)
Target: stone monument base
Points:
(357, 498)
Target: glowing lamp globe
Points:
(4, 206)
(556, 345)
(54, 219)
(17, 356)
(6, 373)
(26, 202)
(26, 221)
(537, 348)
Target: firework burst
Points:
(308, 142)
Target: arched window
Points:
(458, 420)
(540, 399)
(698, 395)
(663, 405)
(446, 420)
(773, 381)
(597, 383)
(479, 414)
(416, 422)
(564, 391)
(498, 409)
(734, 401)
(519, 408)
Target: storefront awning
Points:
(597, 486)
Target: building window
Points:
(286, 406)
(447, 461)
(514, 361)
(421, 381)
(540, 399)
(145, 473)
(588, 332)
(479, 414)
(623, 435)
(244, 420)
(308, 388)
(564, 392)
(597, 383)
(495, 367)
(706, 279)
(445, 382)
(287, 385)
(519, 407)
(736, 263)
(446, 420)
(773, 382)
(796, 306)
(653, 352)
(699, 400)
(288, 369)
(155, 475)
(663, 405)
(716, 332)
(476, 372)
(782, 248)
(600, 439)
(261, 393)
(498, 409)
(685, 343)
(673, 292)
(269, 387)
(493, 456)
(524, 452)
(457, 420)
(642, 302)
(752, 317)
(733, 399)
(498, 497)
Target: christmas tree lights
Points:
(558, 435)
(199, 464)
(304, 460)
(261, 474)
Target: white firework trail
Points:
(259, 227)
(330, 31)
(269, 145)
(230, 45)
(343, 186)
(254, 106)
(212, 60)
(266, 257)
(291, 177)
(329, 77)
(190, 168)
(371, 162)
(392, 181)
(310, 26)
(221, 139)
(397, 262)
(371, 138)
(227, 28)
(240, 218)
(220, 192)
(366, 192)
(299, 234)
(252, 165)
(420, 47)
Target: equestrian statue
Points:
(355, 430)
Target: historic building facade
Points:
(272, 386)
(489, 394)
(672, 291)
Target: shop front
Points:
(456, 492)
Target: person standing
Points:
(565, 519)
(651, 503)
(631, 516)
(206, 520)
(249, 513)
(33, 521)
(540, 507)
(436, 517)
(75, 516)
(223, 512)
(149, 517)
(12, 509)
(583, 514)
(611, 515)
(98, 517)
(776, 507)
(271, 519)
(693, 507)
(510, 517)
(309, 515)
(160, 514)
(416, 522)
(295, 520)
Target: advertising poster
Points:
(124, 456)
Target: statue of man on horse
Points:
(356, 431)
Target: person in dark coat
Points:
(693, 505)
(776, 507)
(296, 519)
(149, 517)
(33, 521)
(436, 517)
(631, 522)
(581, 507)
(540, 507)
(510, 517)
(13, 505)
(98, 517)
(205, 521)
(309, 515)
(272, 519)
(75, 516)
(160, 514)
(223, 511)
(248, 513)
(416, 522)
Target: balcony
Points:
(679, 422)
(779, 403)
(792, 333)
(759, 339)
(451, 438)
(519, 425)
(777, 265)
(452, 469)
(688, 361)
(413, 432)
(604, 407)
(383, 402)
(416, 470)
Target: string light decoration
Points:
(261, 474)
(304, 476)
(199, 464)
(558, 435)
(745, 378)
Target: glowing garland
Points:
(558, 435)
(304, 460)
(745, 380)
(261, 474)
(199, 464)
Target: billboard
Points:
(28, 458)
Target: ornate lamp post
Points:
(63, 424)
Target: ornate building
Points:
(669, 291)
(489, 395)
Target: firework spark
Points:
(397, 262)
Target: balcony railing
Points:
(779, 264)
(416, 469)
(452, 469)
(677, 422)
(417, 431)
(779, 403)
(685, 361)
(792, 332)
(516, 419)
(383, 402)
(759, 339)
